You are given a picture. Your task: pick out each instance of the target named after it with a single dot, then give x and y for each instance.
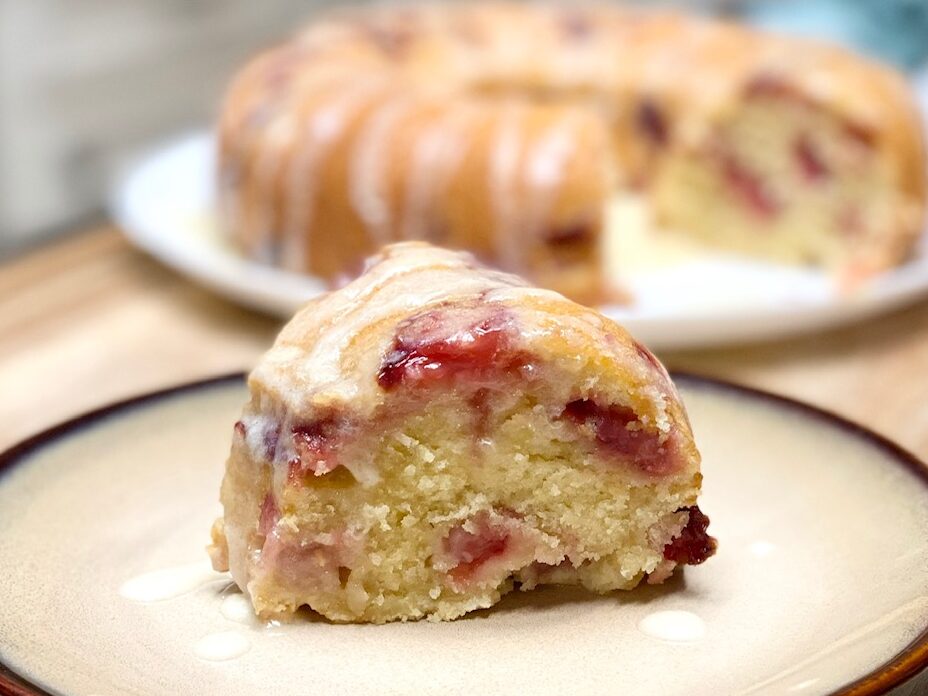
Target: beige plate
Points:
(820, 583)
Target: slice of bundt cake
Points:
(422, 439)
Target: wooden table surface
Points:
(88, 320)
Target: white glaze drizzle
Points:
(549, 156)
(394, 287)
(675, 626)
(504, 170)
(368, 166)
(221, 646)
(237, 607)
(268, 162)
(306, 370)
(436, 156)
(261, 428)
(323, 362)
(325, 126)
(546, 168)
(169, 583)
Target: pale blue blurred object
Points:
(893, 30)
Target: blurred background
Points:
(85, 85)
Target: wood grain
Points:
(89, 320)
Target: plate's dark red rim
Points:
(902, 667)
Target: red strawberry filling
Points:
(393, 41)
(619, 432)
(570, 236)
(576, 26)
(694, 544)
(850, 221)
(489, 547)
(809, 160)
(440, 344)
(859, 134)
(271, 436)
(748, 187)
(775, 87)
(316, 449)
(311, 562)
(480, 403)
(472, 549)
(309, 566)
(650, 121)
(269, 515)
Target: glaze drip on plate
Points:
(169, 583)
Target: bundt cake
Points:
(424, 438)
(507, 129)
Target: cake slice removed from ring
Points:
(433, 433)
